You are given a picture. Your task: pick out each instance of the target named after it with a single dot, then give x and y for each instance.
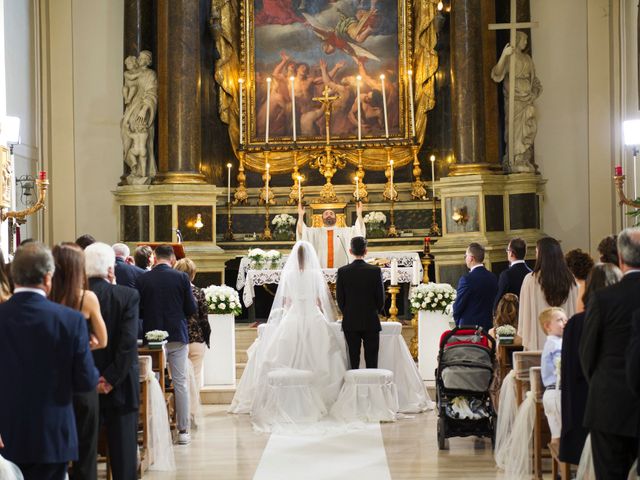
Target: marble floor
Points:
(225, 447)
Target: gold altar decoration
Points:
(233, 32)
(393, 290)
(618, 180)
(42, 184)
(241, 195)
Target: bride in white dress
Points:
(298, 335)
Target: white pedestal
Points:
(431, 325)
(219, 367)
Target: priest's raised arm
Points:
(331, 242)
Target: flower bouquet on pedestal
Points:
(222, 300)
(433, 297)
(283, 226)
(156, 338)
(374, 222)
(506, 334)
(256, 257)
(273, 259)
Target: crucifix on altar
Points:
(521, 82)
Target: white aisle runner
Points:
(335, 456)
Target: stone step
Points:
(240, 370)
(217, 395)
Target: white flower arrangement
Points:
(256, 255)
(375, 218)
(284, 221)
(156, 336)
(506, 331)
(222, 300)
(433, 297)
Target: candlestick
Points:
(293, 107)
(228, 183)
(415, 272)
(433, 175)
(413, 121)
(357, 188)
(42, 175)
(266, 133)
(241, 82)
(384, 105)
(299, 189)
(358, 80)
(618, 170)
(266, 184)
(394, 272)
(392, 196)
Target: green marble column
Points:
(179, 92)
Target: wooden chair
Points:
(558, 467)
(541, 433)
(158, 362)
(505, 358)
(522, 362)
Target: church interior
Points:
(209, 125)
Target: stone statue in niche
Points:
(527, 89)
(140, 93)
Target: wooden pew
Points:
(541, 433)
(522, 362)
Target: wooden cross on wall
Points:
(513, 27)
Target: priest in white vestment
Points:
(331, 242)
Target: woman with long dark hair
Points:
(551, 284)
(69, 287)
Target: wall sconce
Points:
(460, 215)
(198, 223)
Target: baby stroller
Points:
(464, 374)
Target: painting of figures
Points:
(329, 43)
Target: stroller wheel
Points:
(442, 427)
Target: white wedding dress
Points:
(298, 335)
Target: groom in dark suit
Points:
(476, 291)
(44, 360)
(510, 280)
(360, 295)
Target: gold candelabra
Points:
(618, 180)
(360, 192)
(267, 196)
(228, 235)
(418, 190)
(42, 184)
(241, 196)
(393, 290)
(296, 194)
(390, 193)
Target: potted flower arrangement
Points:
(434, 304)
(283, 227)
(273, 259)
(374, 222)
(156, 338)
(219, 366)
(506, 334)
(257, 258)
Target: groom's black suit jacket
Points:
(360, 295)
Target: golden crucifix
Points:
(327, 103)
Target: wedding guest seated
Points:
(143, 257)
(476, 291)
(552, 321)
(45, 358)
(608, 250)
(126, 274)
(580, 263)
(119, 385)
(506, 314)
(198, 323)
(551, 284)
(574, 386)
(83, 241)
(510, 280)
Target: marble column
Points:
(179, 94)
(467, 89)
(139, 26)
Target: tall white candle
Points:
(293, 106)
(433, 175)
(241, 82)
(412, 115)
(384, 106)
(415, 273)
(266, 132)
(357, 188)
(299, 189)
(358, 80)
(394, 272)
(228, 183)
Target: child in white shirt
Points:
(552, 320)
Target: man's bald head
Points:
(329, 218)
